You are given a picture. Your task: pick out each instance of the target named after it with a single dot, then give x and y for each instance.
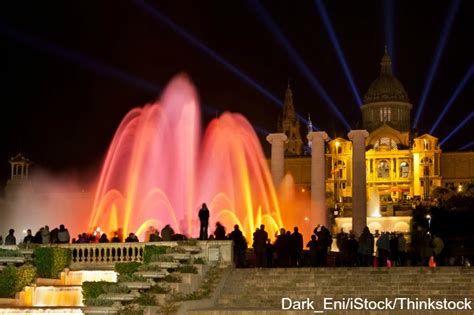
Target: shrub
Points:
(127, 268)
(171, 278)
(92, 289)
(151, 250)
(99, 302)
(187, 269)
(146, 299)
(50, 261)
(150, 268)
(130, 278)
(161, 258)
(10, 253)
(157, 289)
(199, 261)
(131, 309)
(12, 280)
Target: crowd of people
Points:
(287, 249)
(43, 236)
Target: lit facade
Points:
(400, 165)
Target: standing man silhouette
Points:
(204, 218)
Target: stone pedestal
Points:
(277, 140)
(359, 194)
(319, 214)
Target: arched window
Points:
(339, 168)
(385, 143)
(404, 170)
(383, 169)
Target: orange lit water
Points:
(159, 169)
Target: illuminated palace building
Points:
(400, 165)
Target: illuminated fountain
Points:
(373, 204)
(158, 170)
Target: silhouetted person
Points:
(29, 238)
(269, 250)
(383, 249)
(259, 244)
(132, 238)
(219, 233)
(240, 246)
(167, 233)
(437, 244)
(313, 250)
(352, 247)
(83, 239)
(342, 242)
(103, 238)
(155, 236)
(45, 235)
(204, 220)
(296, 243)
(282, 248)
(366, 248)
(325, 241)
(10, 239)
(63, 234)
(38, 238)
(53, 236)
(394, 256)
(115, 239)
(426, 249)
(402, 249)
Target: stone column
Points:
(359, 194)
(277, 161)
(319, 213)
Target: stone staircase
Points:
(260, 291)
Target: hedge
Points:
(91, 290)
(10, 253)
(12, 280)
(152, 250)
(50, 261)
(127, 268)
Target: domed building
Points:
(400, 167)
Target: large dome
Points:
(386, 87)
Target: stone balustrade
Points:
(105, 255)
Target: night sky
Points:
(62, 114)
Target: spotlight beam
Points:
(462, 124)
(296, 58)
(340, 54)
(436, 58)
(388, 9)
(95, 66)
(451, 100)
(466, 146)
(155, 13)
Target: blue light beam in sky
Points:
(462, 124)
(95, 66)
(436, 58)
(388, 22)
(340, 54)
(155, 13)
(453, 97)
(466, 146)
(295, 57)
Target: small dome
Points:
(386, 87)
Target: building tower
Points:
(290, 125)
(386, 101)
(19, 175)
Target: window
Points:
(385, 114)
(384, 169)
(404, 170)
(385, 143)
